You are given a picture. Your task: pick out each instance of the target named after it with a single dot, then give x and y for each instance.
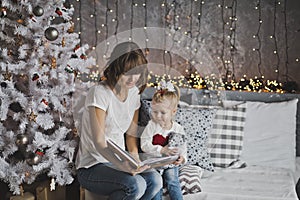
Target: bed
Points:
(242, 145)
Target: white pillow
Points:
(270, 134)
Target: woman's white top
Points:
(119, 115)
(152, 129)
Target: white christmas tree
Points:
(40, 56)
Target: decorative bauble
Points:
(69, 69)
(58, 11)
(35, 158)
(51, 33)
(35, 77)
(3, 12)
(3, 84)
(22, 140)
(38, 11)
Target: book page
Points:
(152, 162)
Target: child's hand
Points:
(179, 161)
(166, 150)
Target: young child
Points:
(164, 136)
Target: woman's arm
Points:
(97, 119)
(131, 136)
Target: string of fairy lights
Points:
(164, 22)
(190, 34)
(96, 32)
(286, 43)
(275, 38)
(145, 27)
(224, 62)
(185, 17)
(232, 35)
(116, 20)
(257, 36)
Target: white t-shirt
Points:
(153, 128)
(119, 116)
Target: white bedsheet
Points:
(250, 183)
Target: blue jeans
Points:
(171, 180)
(104, 180)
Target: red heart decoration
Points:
(158, 139)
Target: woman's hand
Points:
(166, 150)
(126, 167)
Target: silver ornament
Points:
(51, 33)
(21, 140)
(38, 11)
(34, 158)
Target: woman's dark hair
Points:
(127, 58)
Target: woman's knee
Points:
(158, 180)
(137, 187)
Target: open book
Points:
(152, 162)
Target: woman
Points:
(111, 109)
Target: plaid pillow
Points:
(226, 136)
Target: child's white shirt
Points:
(152, 129)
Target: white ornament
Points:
(52, 184)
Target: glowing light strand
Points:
(199, 21)
(117, 20)
(131, 19)
(223, 39)
(106, 29)
(145, 26)
(165, 10)
(175, 24)
(232, 34)
(275, 39)
(190, 35)
(96, 29)
(258, 38)
(80, 23)
(286, 44)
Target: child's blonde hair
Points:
(164, 94)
